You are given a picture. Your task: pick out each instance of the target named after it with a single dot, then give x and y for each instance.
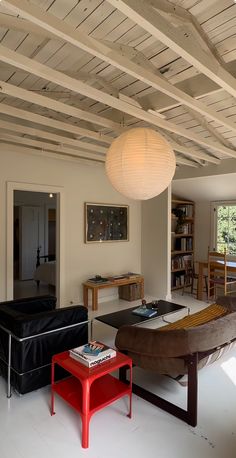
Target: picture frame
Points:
(106, 223)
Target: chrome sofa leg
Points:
(9, 368)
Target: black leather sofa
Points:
(34, 330)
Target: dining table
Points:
(203, 267)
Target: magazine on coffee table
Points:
(145, 312)
(92, 353)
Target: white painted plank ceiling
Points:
(130, 55)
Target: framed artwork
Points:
(106, 223)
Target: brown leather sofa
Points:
(175, 352)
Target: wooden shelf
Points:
(103, 391)
(181, 252)
(182, 235)
(182, 243)
(178, 270)
(182, 202)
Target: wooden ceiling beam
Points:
(191, 152)
(59, 139)
(11, 147)
(29, 116)
(52, 104)
(184, 161)
(49, 148)
(178, 15)
(49, 74)
(107, 53)
(8, 21)
(178, 39)
(44, 146)
(45, 121)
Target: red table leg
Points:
(52, 390)
(130, 395)
(85, 413)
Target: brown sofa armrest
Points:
(227, 301)
(151, 342)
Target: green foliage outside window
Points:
(226, 229)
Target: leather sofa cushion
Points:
(24, 325)
(29, 305)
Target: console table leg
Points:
(85, 295)
(94, 299)
(142, 289)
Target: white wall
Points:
(156, 249)
(202, 230)
(81, 183)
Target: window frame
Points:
(214, 206)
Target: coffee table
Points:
(118, 319)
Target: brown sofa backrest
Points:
(180, 342)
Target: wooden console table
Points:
(111, 283)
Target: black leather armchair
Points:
(31, 332)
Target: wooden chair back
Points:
(217, 272)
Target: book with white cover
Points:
(92, 353)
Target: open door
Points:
(34, 243)
(28, 241)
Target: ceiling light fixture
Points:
(50, 195)
(140, 163)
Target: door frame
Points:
(60, 235)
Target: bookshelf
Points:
(182, 240)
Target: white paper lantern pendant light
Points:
(140, 163)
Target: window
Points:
(225, 227)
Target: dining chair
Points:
(191, 277)
(218, 276)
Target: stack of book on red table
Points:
(92, 353)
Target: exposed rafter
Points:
(59, 139)
(180, 16)
(60, 107)
(45, 72)
(197, 155)
(44, 146)
(208, 127)
(184, 161)
(29, 116)
(21, 25)
(180, 41)
(108, 53)
(56, 106)
(24, 115)
(98, 87)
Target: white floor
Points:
(28, 431)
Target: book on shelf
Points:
(144, 311)
(92, 353)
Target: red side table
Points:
(89, 390)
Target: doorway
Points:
(15, 260)
(34, 240)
